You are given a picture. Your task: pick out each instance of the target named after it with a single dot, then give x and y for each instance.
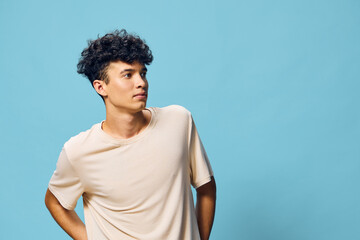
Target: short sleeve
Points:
(200, 167)
(65, 183)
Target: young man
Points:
(135, 169)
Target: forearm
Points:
(205, 209)
(67, 219)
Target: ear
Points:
(100, 87)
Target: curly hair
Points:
(114, 46)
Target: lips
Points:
(141, 94)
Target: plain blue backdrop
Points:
(273, 87)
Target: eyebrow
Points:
(144, 69)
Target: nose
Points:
(141, 82)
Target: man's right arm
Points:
(67, 219)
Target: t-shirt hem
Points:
(61, 199)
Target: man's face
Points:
(127, 87)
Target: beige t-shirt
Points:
(136, 188)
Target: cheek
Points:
(122, 87)
(121, 91)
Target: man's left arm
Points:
(205, 208)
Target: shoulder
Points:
(174, 116)
(175, 110)
(79, 138)
(80, 141)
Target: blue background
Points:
(273, 87)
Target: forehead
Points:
(119, 66)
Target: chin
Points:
(141, 107)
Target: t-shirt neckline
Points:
(119, 141)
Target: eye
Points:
(143, 74)
(128, 75)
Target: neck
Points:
(124, 124)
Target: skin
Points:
(205, 208)
(125, 113)
(126, 117)
(67, 219)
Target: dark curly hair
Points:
(117, 45)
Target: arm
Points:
(67, 219)
(205, 208)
